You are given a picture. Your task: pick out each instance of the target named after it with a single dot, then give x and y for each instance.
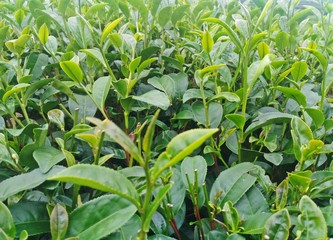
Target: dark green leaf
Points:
(277, 226)
(101, 89)
(47, 157)
(155, 98)
(31, 217)
(295, 94)
(268, 119)
(99, 217)
(312, 222)
(232, 184)
(6, 221)
(25, 181)
(100, 178)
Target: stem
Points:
(94, 101)
(98, 153)
(127, 133)
(18, 121)
(322, 99)
(66, 111)
(175, 229)
(142, 235)
(210, 215)
(23, 108)
(202, 91)
(75, 122)
(245, 85)
(13, 156)
(76, 189)
(108, 68)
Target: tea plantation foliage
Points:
(166, 119)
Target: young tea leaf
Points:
(43, 34)
(6, 221)
(119, 136)
(207, 42)
(58, 222)
(299, 70)
(109, 28)
(72, 70)
(180, 147)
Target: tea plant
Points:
(162, 119)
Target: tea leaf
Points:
(17, 88)
(237, 119)
(99, 217)
(109, 28)
(301, 135)
(281, 195)
(25, 181)
(165, 84)
(321, 58)
(6, 221)
(295, 94)
(312, 222)
(58, 222)
(30, 217)
(180, 147)
(263, 49)
(155, 98)
(100, 90)
(278, 231)
(95, 53)
(43, 34)
(72, 70)
(207, 42)
(299, 70)
(232, 184)
(164, 16)
(47, 157)
(231, 33)
(267, 119)
(101, 178)
(179, 13)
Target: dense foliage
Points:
(166, 119)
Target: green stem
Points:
(142, 235)
(210, 215)
(108, 68)
(66, 111)
(23, 108)
(204, 102)
(18, 121)
(76, 190)
(75, 122)
(98, 153)
(323, 94)
(94, 101)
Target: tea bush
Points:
(166, 119)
